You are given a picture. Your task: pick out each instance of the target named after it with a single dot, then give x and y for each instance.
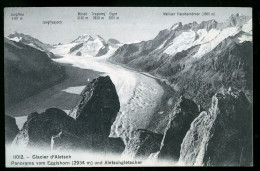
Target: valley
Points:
(140, 95)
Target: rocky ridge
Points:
(194, 57)
(183, 113)
(28, 71)
(222, 135)
(29, 40)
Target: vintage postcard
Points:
(128, 86)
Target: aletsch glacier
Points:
(138, 94)
(192, 59)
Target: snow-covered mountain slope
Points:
(63, 49)
(178, 38)
(29, 40)
(92, 45)
(176, 50)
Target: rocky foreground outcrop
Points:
(39, 128)
(96, 112)
(87, 127)
(142, 144)
(11, 129)
(222, 135)
(183, 113)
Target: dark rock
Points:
(103, 50)
(223, 135)
(208, 25)
(96, 112)
(78, 53)
(143, 143)
(66, 141)
(76, 47)
(184, 112)
(113, 41)
(114, 145)
(39, 128)
(11, 129)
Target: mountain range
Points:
(29, 40)
(195, 58)
(93, 45)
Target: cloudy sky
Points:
(134, 24)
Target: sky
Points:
(134, 23)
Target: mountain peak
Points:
(176, 25)
(208, 25)
(15, 36)
(192, 25)
(113, 41)
(14, 33)
(28, 40)
(237, 20)
(87, 37)
(82, 38)
(98, 37)
(235, 15)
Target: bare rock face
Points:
(221, 136)
(113, 41)
(114, 145)
(76, 47)
(103, 50)
(143, 143)
(11, 129)
(184, 112)
(96, 112)
(66, 141)
(39, 128)
(78, 53)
